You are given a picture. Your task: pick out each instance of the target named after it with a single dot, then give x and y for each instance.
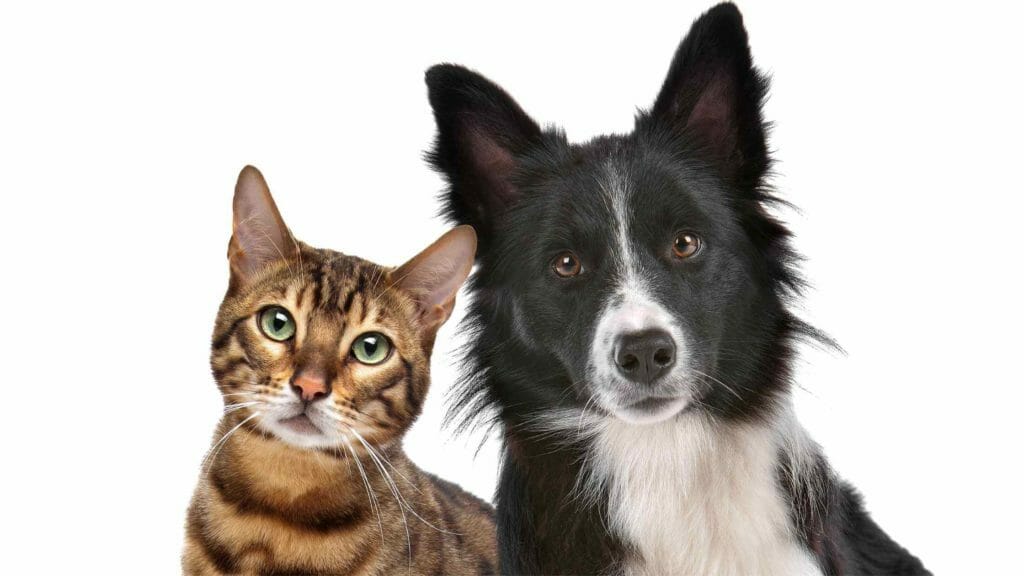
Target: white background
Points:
(122, 129)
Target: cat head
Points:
(320, 349)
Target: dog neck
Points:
(692, 495)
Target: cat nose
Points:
(310, 385)
(645, 356)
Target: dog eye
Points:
(686, 245)
(567, 265)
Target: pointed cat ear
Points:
(480, 132)
(713, 96)
(433, 277)
(259, 236)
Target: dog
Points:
(631, 332)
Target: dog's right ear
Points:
(481, 132)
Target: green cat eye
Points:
(277, 323)
(371, 348)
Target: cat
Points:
(323, 362)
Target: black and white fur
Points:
(702, 469)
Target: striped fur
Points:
(351, 502)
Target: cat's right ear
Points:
(259, 236)
(433, 276)
(481, 132)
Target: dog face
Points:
(640, 271)
(631, 274)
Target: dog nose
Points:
(310, 385)
(646, 355)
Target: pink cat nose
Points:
(310, 385)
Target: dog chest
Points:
(695, 498)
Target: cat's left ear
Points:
(433, 276)
(259, 236)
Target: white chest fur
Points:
(695, 498)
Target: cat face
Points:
(324, 350)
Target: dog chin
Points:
(651, 411)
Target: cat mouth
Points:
(300, 424)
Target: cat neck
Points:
(258, 471)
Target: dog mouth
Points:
(652, 404)
(651, 409)
(300, 424)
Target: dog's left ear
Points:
(712, 97)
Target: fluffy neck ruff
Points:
(692, 495)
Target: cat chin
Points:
(301, 437)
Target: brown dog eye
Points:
(686, 245)
(567, 265)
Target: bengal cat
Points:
(323, 362)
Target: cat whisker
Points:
(374, 505)
(391, 486)
(395, 283)
(235, 407)
(379, 276)
(270, 240)
(342, 456)
(298, 252)
(380, 454)
(212, 455)
(377, 453)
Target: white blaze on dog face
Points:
(578, 250)
(632, 312)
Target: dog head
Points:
(637, 273)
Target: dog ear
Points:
(481, 132)
(712, 96)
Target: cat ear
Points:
(433, 276)
(258, 234)
(480, 133)
(713, 95)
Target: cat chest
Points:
(251, 539)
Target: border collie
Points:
(632, 333)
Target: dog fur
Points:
(702, 469)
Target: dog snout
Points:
(645, 356)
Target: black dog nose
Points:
(646, 355)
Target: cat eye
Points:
(277, 323)
(567, 265)
(686, 245)
(371, 348)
